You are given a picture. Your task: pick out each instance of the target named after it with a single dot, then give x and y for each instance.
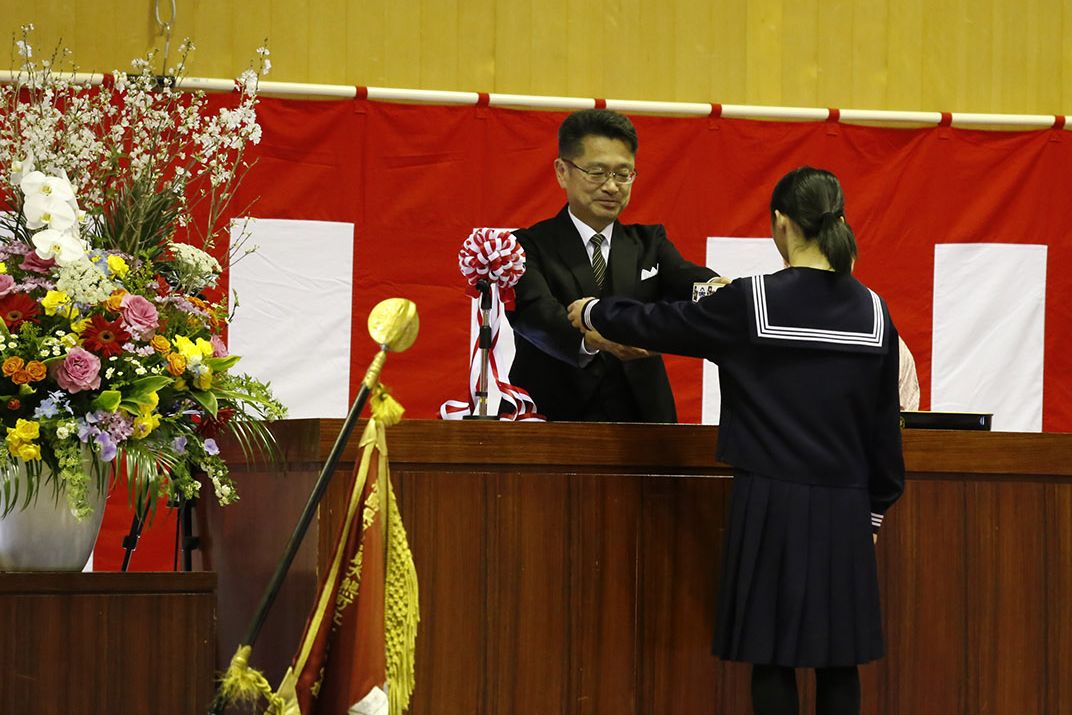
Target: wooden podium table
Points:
(88, 643)
(572, 568)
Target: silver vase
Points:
(46, 536)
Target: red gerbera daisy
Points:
(17, 308)
(104, 337)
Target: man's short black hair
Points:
(594, 122)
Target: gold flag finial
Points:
(393, 323)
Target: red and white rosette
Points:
(496, 256)
(493, 254)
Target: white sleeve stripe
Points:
(586, 316)
(876, 520)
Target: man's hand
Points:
(574, 312)
(594, 341)
(720, 281)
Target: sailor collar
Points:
(781, 317)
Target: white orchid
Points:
(49, 211)
(36, 182)
(63, 246)
(21, 167)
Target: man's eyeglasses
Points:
(600, 176)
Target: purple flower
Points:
(179, 445)
(107, 447)
(7, 283)
(80, 370)
(139, 315)
(211, 447)
(219, 348)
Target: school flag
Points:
(356, 655)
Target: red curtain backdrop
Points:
(415, 180)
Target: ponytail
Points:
(837, 242)
(814, 200)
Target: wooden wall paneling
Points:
(586, 55)
(476, 47)
(545, 41)
(1012, 51)
(604, 521)
(905, 55)
(1058, 546)
(728, 79)
(836, 52)
(1006, 582)
(438, 37)
(801, 66)
(513, 47)
(447, 518)
(680, 554)
(975, 58)
(942, 26)
(328, 24)
(251, 24)
(1004, 56)
(924, 617)
(528, 592)
(243, 543)
(762, 52)
(693, 52)
(402, 44)
(366, 44)
(106, 643)
(211, 27)
(870, 76)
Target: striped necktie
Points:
(599, 266)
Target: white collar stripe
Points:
(764, 329)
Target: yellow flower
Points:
(12, 365)
(78, 326)
(27, 451)
(115, 300)
(26, 429)
(118, 266)
(56, 301)
(176, 364)
(144, 424)
(161, 344)
(3, 267)
(193, 351)
(179, 385)
(203, 381)
(69, 340)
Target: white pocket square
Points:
(646, 273)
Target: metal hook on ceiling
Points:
(165, 29)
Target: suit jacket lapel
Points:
(624, 262)
(574, 255)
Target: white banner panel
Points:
(734, 258)
(292, 325)
(989, 332)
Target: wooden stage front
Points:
(572, 568)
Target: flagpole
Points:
(393, 325)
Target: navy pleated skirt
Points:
(799, 583)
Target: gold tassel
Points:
(402, 612)
(386, 409)
(243, 684)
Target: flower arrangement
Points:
(111, 320)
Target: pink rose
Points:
(219, 348)
(80, 370)
(6, 284)
(139, 315)
(36, 264)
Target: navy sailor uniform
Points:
(808, 365)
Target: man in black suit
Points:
(585, 251)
